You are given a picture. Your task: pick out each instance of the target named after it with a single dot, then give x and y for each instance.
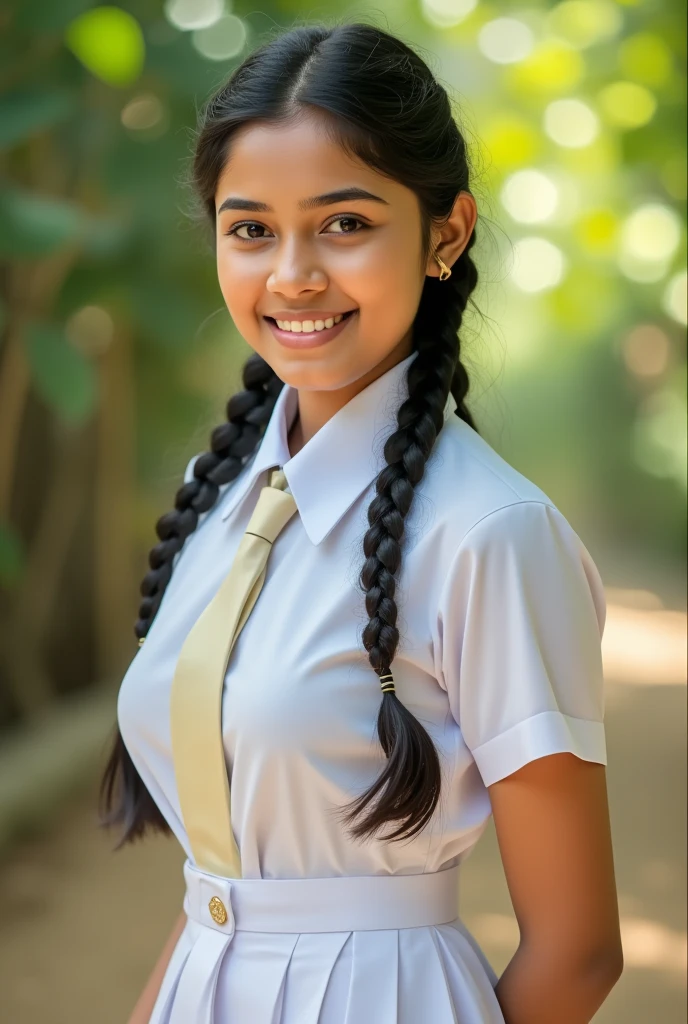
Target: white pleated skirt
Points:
(227, 972)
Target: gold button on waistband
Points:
(217, 910)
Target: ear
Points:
(453, 236)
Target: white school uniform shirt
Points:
(501, 613)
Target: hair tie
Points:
(387, 683)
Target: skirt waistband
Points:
(338, 904)
(222, 906)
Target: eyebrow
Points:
(340, 195)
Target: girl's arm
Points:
(142, 1011)
(552, 823)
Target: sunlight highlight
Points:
(644, 644)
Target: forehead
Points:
(281, 164)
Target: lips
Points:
(308, 339)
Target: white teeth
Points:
(308, 326)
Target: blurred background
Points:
(117, 356)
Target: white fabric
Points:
(501, 612)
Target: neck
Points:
(315, 408)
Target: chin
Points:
(308, 372)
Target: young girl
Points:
(376, 628)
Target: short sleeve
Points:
(521, 617)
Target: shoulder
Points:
(495, 532)
(482, 508)
(468, 482)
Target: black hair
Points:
(379, 100)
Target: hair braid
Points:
(411, 754)
(248, 413)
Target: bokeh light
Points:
(143, 112)
(646, 350)
(109, 42)
(225, 39)
(553, 68)
(597, 231)
(646, 58)
(571, 123)
(648, 240)
(188, 15)
(445, 13)
(675, 298)
(529, 196)
(538, 265)
(585, 22)
(652, 232)
(505, 40)
(626, 105)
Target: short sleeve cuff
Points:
(550, 732)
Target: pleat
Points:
(470, 984)
(197, 987)
(431, 975)
(170, 982)
(461, 928)
(423, 989)
(252, 978)
(308, 976)
(338, 986)
(374, 986)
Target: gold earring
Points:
(445, 272)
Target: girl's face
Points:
(292, 247)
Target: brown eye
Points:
(347, 220)
(250, 226)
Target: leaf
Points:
(64, 378)
(11, 556)
(33, 225)
(23, 114)
(109, 42)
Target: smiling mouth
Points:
(345, 316)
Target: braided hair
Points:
(380, 102)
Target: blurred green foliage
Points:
(112, 322)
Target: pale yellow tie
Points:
(196, 700)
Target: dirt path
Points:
(80, 927)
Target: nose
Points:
(295, 270)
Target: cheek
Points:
(238, 287)
(387, 279)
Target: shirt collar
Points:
(337, 464)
